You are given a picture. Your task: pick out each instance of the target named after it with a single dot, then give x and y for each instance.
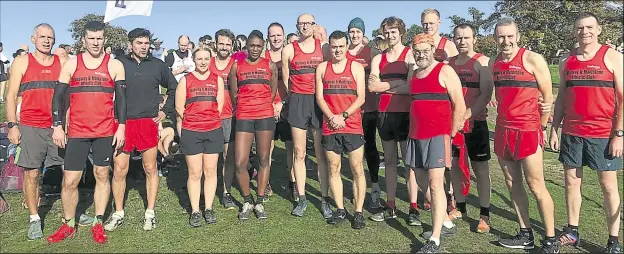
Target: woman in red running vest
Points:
(199, 101)
(253, 84)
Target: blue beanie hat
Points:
(356, 23)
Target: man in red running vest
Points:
(92, 78)
(590, 104)
(275, 35)
(436, 116)
(520, 77)
(300, 61)
(340, 93)
(33, 78)
(221, 65)
(430, 21)
(389, 78)
(477, 85)
(360, 52)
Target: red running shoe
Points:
(99, 236)
(64, 232)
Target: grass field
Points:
(287, 234)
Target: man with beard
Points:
(520, 77)
(591, 108)
(360, 52)
(436, 116)
(275, 36)
(181, 60)
(221, 65)
(91, 78)
(145, 75)
(302, 58)
(32, 79)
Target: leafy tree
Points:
(410, 33)
(485, 43)
(116, 37)
(547, 26)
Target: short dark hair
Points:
(0, 44)
(275, 24)
(337, 35)
(118, 52)
(584, 15)
(242, 37)
(225, 33)
(205, 38)
(192, 43)
(139, 33)
(290, 35)
(257, 34)
(93, 26)
(464, 26)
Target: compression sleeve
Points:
(58, 103)
(120, 100)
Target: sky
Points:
(170, 19)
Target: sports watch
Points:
(618, 133)
(12, 124)
(345, 115)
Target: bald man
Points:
(303, 56)
(181, 60)
(32, 77)
(320, 33)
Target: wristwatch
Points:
(618, 133)
(12, 124)
(345, 115)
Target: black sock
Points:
(341, 211)
(574, 228)
(613, 239)
(248, 199)
(302, 198)
(260, 199)
(461, 206)
(99, 218)
(291, 184)
(327, 199)
(550, 239)
(526, 232)
(485, 211)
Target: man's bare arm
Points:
(358, 73)
(233, 83)
(273, 80)
(454, 89)
(539, 67)
(320, 99)
(287, 55)
(220, 94)
(16, 72)
(180, 98)
(486, 87)
(614, 63)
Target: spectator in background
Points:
(240, 48)
(381, 44)
(24, 47)
(242, 40)
(191, 46)
(19, 52)
(365, 41)
(158, 51)
(4, 70)
(118, 52)
(108, 50)
(291, 37)
(320, 34)
(181, 61)
(69, 50)
(60, 52)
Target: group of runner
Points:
(427, 98)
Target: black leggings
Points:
(369, 123)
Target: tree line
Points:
(545, 26)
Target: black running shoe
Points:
(358, 221)
(195, 219)
(414, 218)
(613, 247)
(518, 242)
(338, 216)
(550, 246)
(569, 238)
(209, 216)
(430, 247)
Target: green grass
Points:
(554, 74)
(284, 233)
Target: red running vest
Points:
(201, 112)
(227, 101)
(303, 68)
(590, 97)
(469, 78)
(430, 113)
(339, 92)
(364, 57)
(281, 88)
(36, 89)
(396, 70)
(91, 107)
(439, 54)
(516, 94)
(254, 90)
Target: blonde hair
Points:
(202, 48)
(382, 45)
(430, 11)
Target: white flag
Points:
(120, 8)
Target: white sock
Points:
(435, 240)
(149, 213)
(120, 213)
(34, 217)
(375, 187)
(448, 224)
